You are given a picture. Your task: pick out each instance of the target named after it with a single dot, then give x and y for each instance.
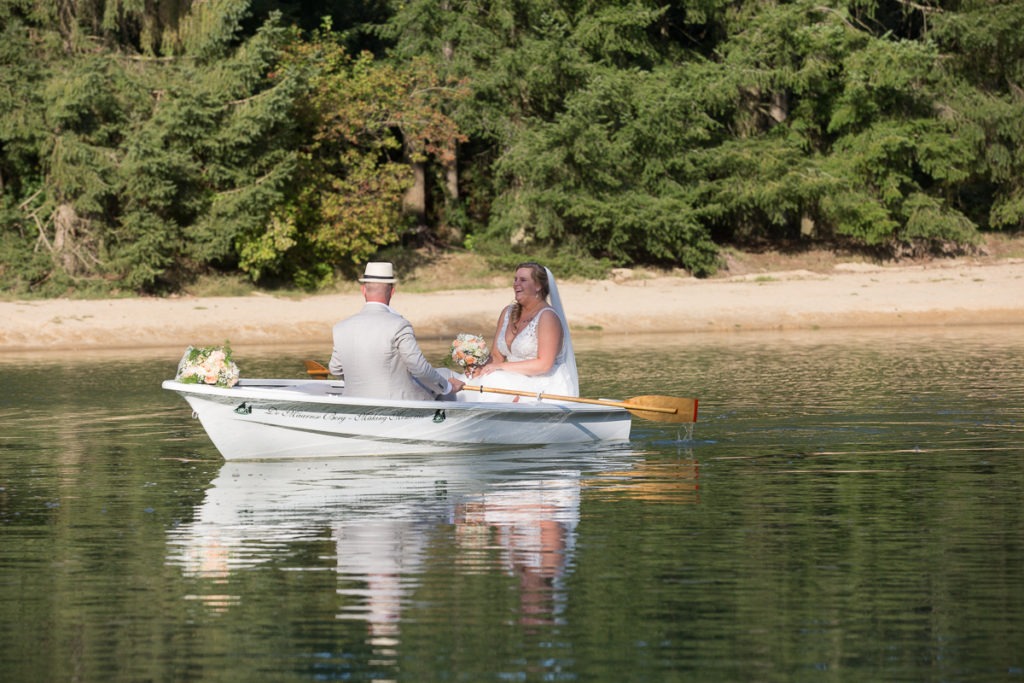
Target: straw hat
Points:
(378, 271)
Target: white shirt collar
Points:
(378, 303)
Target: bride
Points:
(532, 349)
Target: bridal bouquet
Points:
(208, 365)
(469, 351)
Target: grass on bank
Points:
(432, 270)
(426, 270)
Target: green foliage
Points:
(853, 132)
(210, 28)
(207, 167)
(555, 87)
(927, 220)
(567, 262)
(21, 105)
(366, 121)
(983, 46)
(144, 144)
(984, 39)
(153, 169)
(613, 173)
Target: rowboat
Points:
(303, 418)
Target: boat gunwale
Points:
(269, 389)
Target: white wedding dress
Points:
(561, 380)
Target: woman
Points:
(532, 348)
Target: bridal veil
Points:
(567, 354)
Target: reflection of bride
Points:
(385, 517)
(532, 349)
(534, 525)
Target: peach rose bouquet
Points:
(208, 365)
(469, 351)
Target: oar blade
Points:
(316, 370)
(681, 409)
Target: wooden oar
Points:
(652, 407)
(316, 370)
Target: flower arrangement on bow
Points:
(208, 365)
(469, 351)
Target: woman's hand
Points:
(487, 369)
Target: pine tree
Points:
(152, 167)
(25, 242)
(214, 157)
(983, 45)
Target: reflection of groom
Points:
(376, 349)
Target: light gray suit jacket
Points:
(378, 355)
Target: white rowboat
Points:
(260, 419)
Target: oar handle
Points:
(656, 408)
(574, 399)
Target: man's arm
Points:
(419, 367)
(335, 363)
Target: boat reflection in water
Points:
(388, 517)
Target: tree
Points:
(884, 116)
(365, 121)
(866, 154)
(213, 158)
(854, 121)
(983, 45)
(144, 143)
(525, 63)
(615, 172)
(24, 207)
(150, 168)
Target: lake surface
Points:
(849, 507)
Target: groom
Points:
(376, 349)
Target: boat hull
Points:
(283, 419)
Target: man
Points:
(376, 349)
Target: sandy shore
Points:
(850, 295)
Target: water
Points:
(850, 507)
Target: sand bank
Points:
(849, 295)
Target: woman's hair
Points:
(540, 276)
